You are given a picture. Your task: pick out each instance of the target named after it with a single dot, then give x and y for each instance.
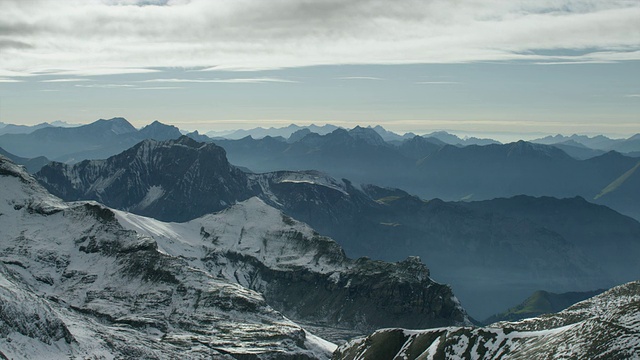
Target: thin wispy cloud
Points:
(438, 82)
(359, 78)
(104, 86)
(633, 95)
(127, 36)
(65, 80)
(158, 88)
(86, 70)
(232, 81)
(3, 80)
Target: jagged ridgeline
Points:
(82, 280)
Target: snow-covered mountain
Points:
(82, 280)
(304, 275)
(74, 283)
(606, 326)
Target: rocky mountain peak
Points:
(118, 125)
(159, 131)
(163, 179)
(367, 135)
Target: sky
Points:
(469, 66)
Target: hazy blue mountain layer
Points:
(97, 140)
(542, 302)
(432, 169)
(32, 165)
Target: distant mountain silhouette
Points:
(285, 132)
(430, 169)
(599, 142)
(26, 129)
(455, 140)
(32, 165)
(390, 136)
(542, 302)
(97, 140)
(21, 129)
(159, 131)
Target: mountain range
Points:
(97, 140)
(503, 249)
(187, 254)
(25, 129)
(603, 327)
(599, 142)
(437, 165)
(430, 169)
(80, 279)
(260, 132)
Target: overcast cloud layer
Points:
(90, 37)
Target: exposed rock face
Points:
(603, 327)
(371, 294)
(174, 180)
(302, 274)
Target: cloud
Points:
(105, 86)
(232, 81)
(359, 78)
(80, 37)
(97, 71)
(633, 96)
(158, 88)
(438, 82)
(4, 80)
(65, 80)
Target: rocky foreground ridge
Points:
(606, 326)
